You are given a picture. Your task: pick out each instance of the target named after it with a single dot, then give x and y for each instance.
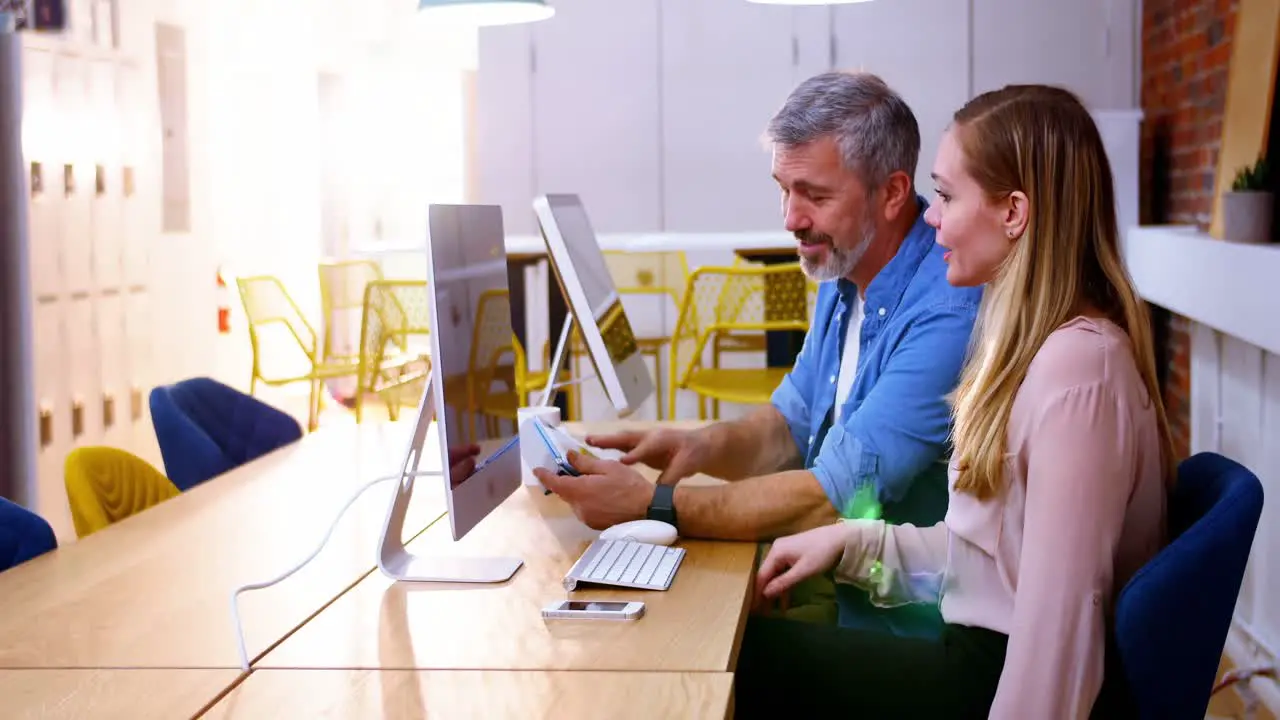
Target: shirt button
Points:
(811, 437)
(881, 313)
(833, 378)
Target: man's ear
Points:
(897, 195)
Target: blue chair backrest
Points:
(206, 428)
(23, 535)
(1173, 616)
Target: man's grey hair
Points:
(874, 128)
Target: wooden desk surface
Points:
(154, 590)
(49, 694)
(693, 626)
(476, 694)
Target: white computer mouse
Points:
(654, 532)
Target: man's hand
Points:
(606, 494)
(799, 557)
(677, 453)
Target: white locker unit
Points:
(1087, 46)
(504, 135)
(929, 72)
(706, 71)
(92, 227)
(653, 110)
(596, 110)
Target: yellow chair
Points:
(395, 311)
(342, 292)
(498, 377)
(268, 307)
(744, 299)
(106, 485)
(661, 274)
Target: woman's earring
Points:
(1011, 234)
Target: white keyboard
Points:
(623, 563)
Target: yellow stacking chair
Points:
(269, 308)
(395, 311)
(739, 300)
(106, 485)
(342, 293)
(498, 377)
(658, 274)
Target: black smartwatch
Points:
(662, 507)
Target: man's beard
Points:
(839, 262)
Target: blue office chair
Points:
(23, 535)
(1172, 617)
(206, 428)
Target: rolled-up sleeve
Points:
(904, 423)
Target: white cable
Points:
(235, 594)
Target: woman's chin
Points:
(957, 277)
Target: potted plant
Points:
(1247, 207)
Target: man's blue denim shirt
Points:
(892, 444)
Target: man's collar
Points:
(887, 287)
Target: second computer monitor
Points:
(473, 359)
(583, 275)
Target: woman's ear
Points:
(1017, 214)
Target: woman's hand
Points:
(798, 557)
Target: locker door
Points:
(140, 370)
(85, 388)
(105, 154)
(76, 181)
(54, 416)
(113, 404)
(39, 139)
(135, 235)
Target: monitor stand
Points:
(394, 559)
(557, 362)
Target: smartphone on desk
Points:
(593, 610)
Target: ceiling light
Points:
(478, 13)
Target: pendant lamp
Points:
(485, 12)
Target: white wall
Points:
(653, 110)
(1227, 290)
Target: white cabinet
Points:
(1087, 46)
(919, 48)
(596, 110)
(719, 89)
(652, 110)
(504, 125)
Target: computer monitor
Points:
(471, 359)
(594, 303)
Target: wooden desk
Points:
(154, 590)
(110, 693)
(694, 626)
(476, 694)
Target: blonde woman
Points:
(1060, 467)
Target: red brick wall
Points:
(1186, 48)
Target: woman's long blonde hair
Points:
(1041, 141)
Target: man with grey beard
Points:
(859, 427)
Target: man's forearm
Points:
(758, 508)
(755, 445)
